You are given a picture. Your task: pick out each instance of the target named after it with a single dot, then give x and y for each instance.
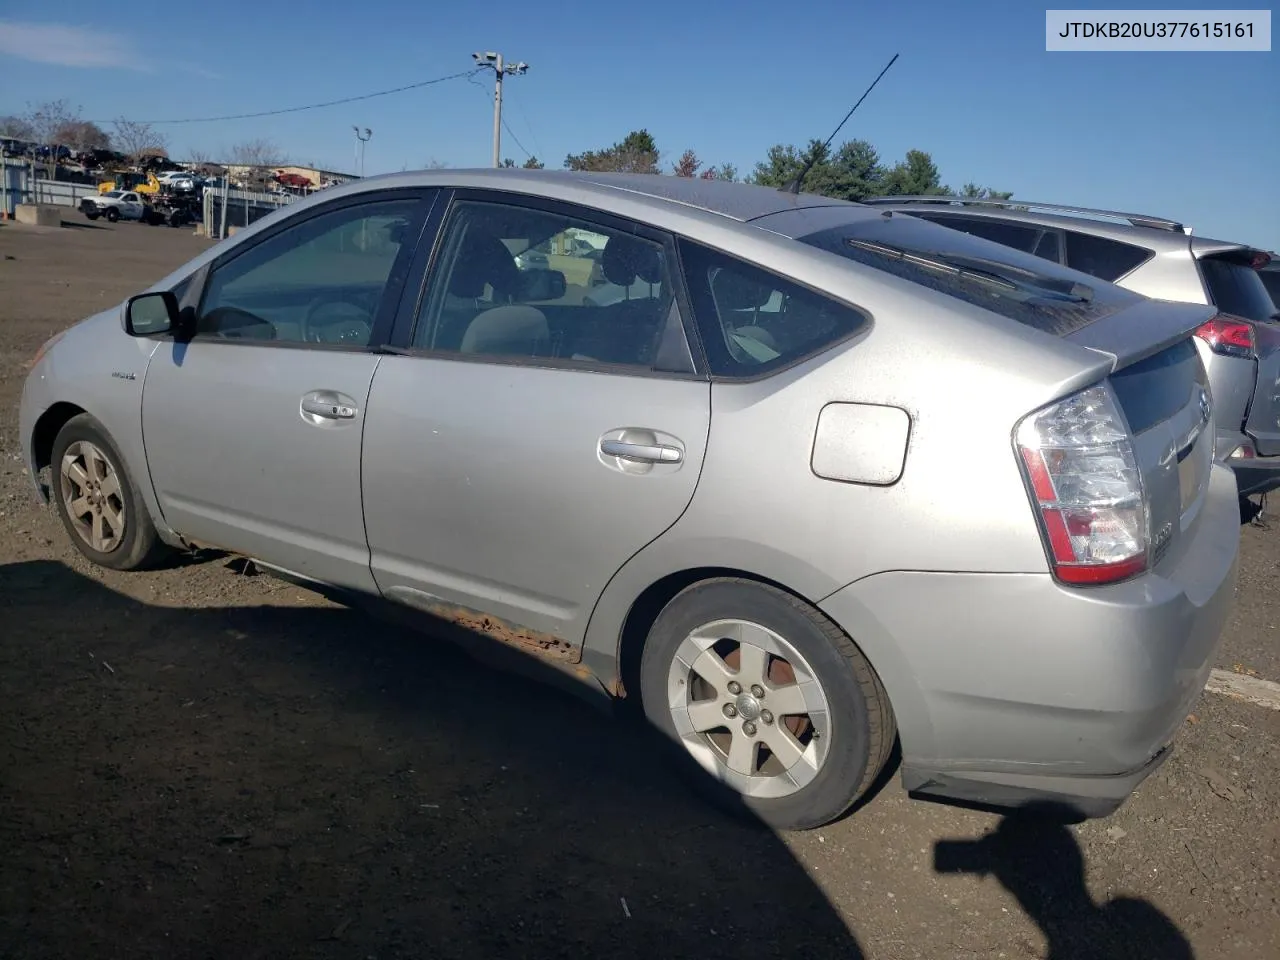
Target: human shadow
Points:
(259, 780)
(1034, 856)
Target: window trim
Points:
(427, 266)
(198, 280)
(699, 246)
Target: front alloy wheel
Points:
(91, 490)
(97, 501)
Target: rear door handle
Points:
(331, 407)
(642, 452)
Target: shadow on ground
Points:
(274, 782)
(1035, 857)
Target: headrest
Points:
(483, 259)
(626, 258)
(733, 291)
(515, 329)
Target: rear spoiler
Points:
(1142, 330)
(1204, 248)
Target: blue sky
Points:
(1194, 136)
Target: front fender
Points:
(98, 368)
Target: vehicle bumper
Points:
(1256, 475)
(1011, 689)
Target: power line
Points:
(310, 106)
(519, 102)
(507, 127)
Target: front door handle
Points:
(328, 406)
(642, 452)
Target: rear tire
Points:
(98, 501)
(729, 650)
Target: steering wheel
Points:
(335, 321)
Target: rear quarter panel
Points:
(963, 376)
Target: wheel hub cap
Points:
(748, 707)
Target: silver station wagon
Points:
(803, 477)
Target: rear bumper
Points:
(1256, 475)
(1011, 689)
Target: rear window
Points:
(1236, 288)
(1040, 298)
(1271, 280)
(1106, 259)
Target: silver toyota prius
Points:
(803, 477)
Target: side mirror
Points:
(539, 284)
(149, 314)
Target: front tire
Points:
(98, 501)
(112, 214)
(774, 706)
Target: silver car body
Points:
(875, 479)
(1169, 263)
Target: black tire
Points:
(140, 546)
(112, 214)
(92, 216)
(862, 728)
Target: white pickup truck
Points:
(117, 205)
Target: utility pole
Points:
(360, 142)
(500, 68)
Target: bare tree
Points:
(431, 163)
(48, 118)
(256, 153)
(19, 128)
(82, 136)
(136, 140)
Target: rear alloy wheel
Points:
(97, 501)
(774, 706)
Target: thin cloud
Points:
(66, 45)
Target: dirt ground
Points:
(199, 762)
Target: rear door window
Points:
(1103, 258)
(754, 322)
(1236, 288)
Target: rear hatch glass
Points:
(1008, 282)
(1236, 288)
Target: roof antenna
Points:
(794, 185)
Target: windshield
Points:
(1236, 288)
(1016, 285)
(114, 194)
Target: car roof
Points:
(736, 201)
(1155, 233)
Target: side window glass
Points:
(753, 321)
(1102, 258)
(320, 281)
(1009, 234)
(526, 284)
(1049, 246)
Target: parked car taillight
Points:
(1083, 479)
(1229, 336)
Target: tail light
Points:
(1084, 482)
(1228, 336)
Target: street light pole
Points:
(360, 142)
(500, 69)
